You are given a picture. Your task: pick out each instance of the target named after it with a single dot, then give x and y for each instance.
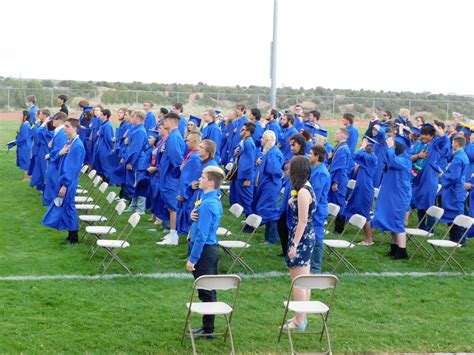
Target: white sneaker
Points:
(166, 240)
(174, 240)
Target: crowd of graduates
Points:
(157, 160)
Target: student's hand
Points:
(195, 185)
(62, 191)
(129, 166)
(422, 155)
(292, 252)
(390, 142)
(65, 150)
(259, 161)
(190, 266)
(467, 186)
(356, 169)
(334, 187)
(247, 183)
(46, 157)
(151, 169)
(194, 215)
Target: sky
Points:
(389, 45)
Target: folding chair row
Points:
(233, 282)
(88, 184)
(236, 211)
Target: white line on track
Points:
(263, 275)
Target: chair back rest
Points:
(351, 184)
(111, 197)
(84, 168)
(357, 220)
(236, 210)
(435, 212)
(333, 209)
(253, 220)
(104, 186)
(217, 282)
(320, 282)
(92, 174)
(376, 192)
(97, 181)
(463, 221)
(134, 219)
(120, 207)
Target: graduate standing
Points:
(43, 137)
(183, 122)
(62, 213)
(203, 253)
(170, 172)
(212, 131)
(150, 120)
(272, 122)
(245, 155)
(288, 130)
(23, 145)
(52, 170)
(30, 102)
(105, 146)
(268, 186)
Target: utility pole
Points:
(273, 54)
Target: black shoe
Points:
(401, 254)
(247, 229)
(201, 333)
(393, 250)
(72, 241)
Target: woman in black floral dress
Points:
(301, 239)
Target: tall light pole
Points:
(273, 54)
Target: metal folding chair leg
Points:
(229, 331)
(113, 256)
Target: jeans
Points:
(271, 232)
(207, 265)
(317, 257)
(427, 223)
(455, 234)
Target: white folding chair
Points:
(333, 245)
(89, 182)
(93, 195)
(209, 283)
(350, 187)
(412, 233)
(333, 211)
(91, 218)
(99, 231)
(236, 211)
(111, 246)
(79, 189)
(86, 199)
(376, 195)
(441, 246)
(229, 246)
(319, 282)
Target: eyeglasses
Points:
(385, 115)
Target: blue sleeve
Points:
(215, 135)
(193, 173)
(393, 161)
(150, 121)
(175, 151)
(135, 148)
(338, 167)
(247, 160)
(109, 137)
(23, 135)
(274, 166)
(453, 174)
(202, 231)
(72, 166)
(59, 141)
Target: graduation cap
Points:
(436, 167)
(217, 112)
(322, 132)
(196, 120)
(370, 140)
(428, 125)
(466, 130)
(415, 131)
(10, 145)
(87, 109)
(280, 114)
(404, 141)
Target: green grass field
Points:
(371, 312)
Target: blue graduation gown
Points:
(395, 194)
(243, 195)
(183, 123)
(33, 111)
(190, 173)
(360, 201)
(94, 127)
(469, 150)
(352, 143)
(226, 140)
(235, 135)
(380, 151)
(269, 182)
(136, 156)
(275, 127)
(150, 122)
(104, 148)
(338, 169)
(213, 132)
(43, 137)
(320, 180)
(284, 142)
(65, 216)
(170, 169)
(257, 136)
(453, 192)
(34, 148)
(23, 147)
(51, 188)
(425, 184)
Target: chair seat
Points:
(92, 218)
(81, 191)
(307, 306)
(223, 231)
(337, 243)
(443, 243)
(113, 244)
(418, 232)
(233, 244)
(81, 199)
(100, 230)
(85, 206)
(210, 308)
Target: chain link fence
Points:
(331, 107)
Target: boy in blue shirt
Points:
(203, 245)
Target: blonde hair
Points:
(271, 140)
(210, 147)
(404, 112)
(215, 174)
